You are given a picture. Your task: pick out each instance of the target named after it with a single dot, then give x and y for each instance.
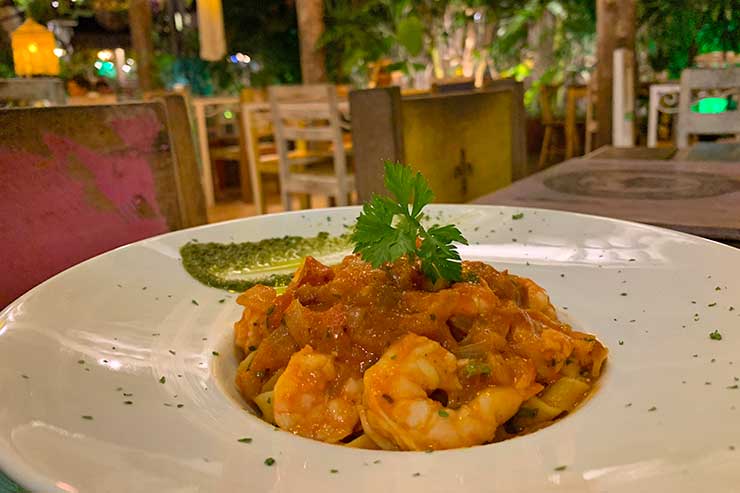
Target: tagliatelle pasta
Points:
(384, 358)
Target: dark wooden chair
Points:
(554, 126)
(79, 181)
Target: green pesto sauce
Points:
(272, 262)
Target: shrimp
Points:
(258, 302)
(447, 316)
(537, 298)
(310, 400)
(397, 413)
(545, 343)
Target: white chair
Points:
(658, 93)
(310, 113)
(725, 81)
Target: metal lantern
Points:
(33, 50)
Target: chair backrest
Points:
(308, 113)
(260, 120)
(78, 181)
(724, 82)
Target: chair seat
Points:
(225, 153)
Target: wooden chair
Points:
(310, 113)
(262, 161)
(726, 81)
(573, 94)
(592, 124)
(257, 136)
(551, 123)
(79, 181)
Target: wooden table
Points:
(701, 151)
(698, 197)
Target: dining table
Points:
(695, 192)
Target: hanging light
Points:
(33, 50)
(211, 29)
(105, 55)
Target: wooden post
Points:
(310, 28)
(140, 23)
(615, 28)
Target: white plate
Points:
(105, 311)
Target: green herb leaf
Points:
(715, 336)
(443, 413)
(527, 412)
(516, 217)
(475, 368)
(269, 461)
(162, 380)
(245, 440)
(439, 258)
(387, 230)
(561, 468)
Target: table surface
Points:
(698, 197)
(701, 151)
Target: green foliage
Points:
(675, 31)
(388, 229)
(410, 34)
(41, 10)
(267, 31)
(355, 36)
(6, 62)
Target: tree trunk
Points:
(540, 35)
(615, 28)
(140, 24)
(310, 28)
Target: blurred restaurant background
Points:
(195, 111)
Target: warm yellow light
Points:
(33, 50)
(105, 55)
(59, 52)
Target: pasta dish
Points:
(386, 358)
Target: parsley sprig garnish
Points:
(388, 229)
